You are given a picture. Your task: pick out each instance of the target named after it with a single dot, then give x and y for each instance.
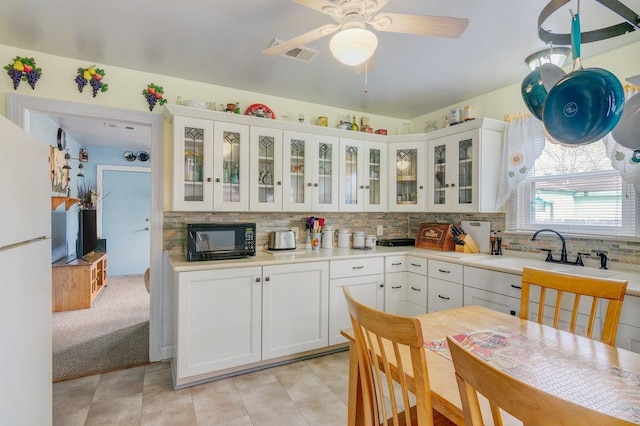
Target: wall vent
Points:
(303, 54)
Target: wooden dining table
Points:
(586, 371)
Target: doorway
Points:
(123, 217)
(19, 108)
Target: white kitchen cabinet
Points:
(363, 176)
(295, 307)
(310, 175)
(365, 279)
(464, 164)
(217, 318)
(629, 328)
(445, 288)
(494, 290)
(265, 175)
(230, 166)
(407, 161)
(192, 164)
(405, 285)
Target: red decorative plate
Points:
(253, 110)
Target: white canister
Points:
(358, 239)
(344, 238)
(370, 241)
(327, 239)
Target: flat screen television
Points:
(87, 233)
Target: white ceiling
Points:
(220, 42)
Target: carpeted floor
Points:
(112, 335)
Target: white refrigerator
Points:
(25, 279)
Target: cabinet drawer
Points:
(495, 301)
(496, 282)
(412, 310)
(356, 267)
(416, 265)
(417, 289)
(444, 295)
(446, 271)
(395, 287)
(395, 263)
(630, 311)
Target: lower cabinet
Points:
(445, 285)
(629, 327)
(227, 318)
(365, 279)
(217, 320)
(494, 290)
(405, 285)
(295, 308)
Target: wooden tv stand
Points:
(76, 283)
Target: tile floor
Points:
(310, 392)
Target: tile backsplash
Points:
(622, 254)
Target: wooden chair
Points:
(611, 290)
(528, 404)
(379, 337)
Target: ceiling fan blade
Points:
(439, 26)
(301, 40)
(324, 6)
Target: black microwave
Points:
(213, 241)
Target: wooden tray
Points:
(435, 236)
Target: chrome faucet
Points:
(563, 253)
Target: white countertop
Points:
(508, 264)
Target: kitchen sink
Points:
(519, 263)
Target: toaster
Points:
(282, 240)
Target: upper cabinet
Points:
(463, 167)
(310, 177)
(230, 167)
(265, 163)
(363, 175)
(192, 164)
(407, 161)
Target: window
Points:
(574, 190)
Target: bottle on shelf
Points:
(354, 125)
(237, 110)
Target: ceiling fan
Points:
(354, 44)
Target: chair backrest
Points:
(528, 404)
(608, 289)
(379, 338)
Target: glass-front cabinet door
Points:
(192, 164)
(363, 176)
(452, 172)
(310, 176)
(231, 167)
(265, 164)
(407, 174)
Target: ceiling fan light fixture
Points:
(555, 55)
(353, 46)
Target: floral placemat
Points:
(554, 369)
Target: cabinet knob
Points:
(267, 278)
(366, 187)
(453, 185)
(309, 184)
(258, 279)
(420, 187)
(362, 187)
(208, 179)
(279, 183)
(381, 285)
(315, 185)
(218, 180)
(446, 185)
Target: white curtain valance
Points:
(524, 143)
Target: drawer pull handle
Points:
(357, 267)
(416, 289)
(416, 264)
(443, 297)
(381, 285)
(516, 287)
(257, 280)
(443, 271)
(396, 264)
(397, 287)
(267, 278)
